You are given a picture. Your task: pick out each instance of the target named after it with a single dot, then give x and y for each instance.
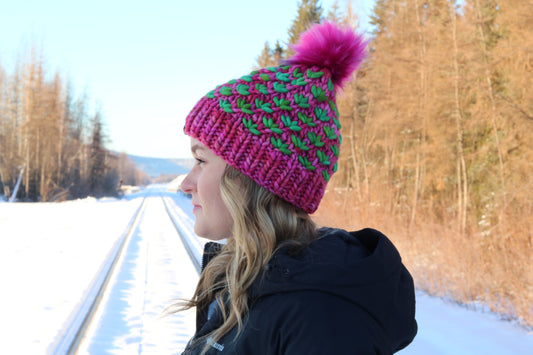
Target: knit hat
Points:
(280, 125)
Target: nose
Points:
(187, 185)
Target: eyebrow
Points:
(196, 147)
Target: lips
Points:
(195, 207)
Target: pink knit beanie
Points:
(280, 126)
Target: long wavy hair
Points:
(262, 223)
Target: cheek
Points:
(209, 186)
(214, 194)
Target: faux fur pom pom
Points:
(326, 45)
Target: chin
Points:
(215, 238)
(208, 235)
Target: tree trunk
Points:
(462, 181)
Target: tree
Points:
(437, 130)
(266, 58)
(5, 130)
(97, 157)
(381, 16)
(278, 53)
(346, 17)
(309, 12)
(46, 132)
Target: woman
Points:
(265, 146)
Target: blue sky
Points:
(146, 63)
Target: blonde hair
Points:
(262, 223)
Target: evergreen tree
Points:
(380, 16)
(346, 17)
(45, 137)
(334, 14)
(97, 158)
(278, 53)
(309, 13)
(266, 58)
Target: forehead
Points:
(195, 141)
(196, 145)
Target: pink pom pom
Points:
(326, 45)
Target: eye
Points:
(199, 161)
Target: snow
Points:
(448, 328)
(51, 252)
(155, 270)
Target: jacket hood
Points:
(361, 267)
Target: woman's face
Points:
(213, 220)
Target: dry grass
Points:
(477, 269)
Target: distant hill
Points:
(155, 167)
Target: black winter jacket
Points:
(346, 293)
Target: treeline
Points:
(437, 143)
(53, 140)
